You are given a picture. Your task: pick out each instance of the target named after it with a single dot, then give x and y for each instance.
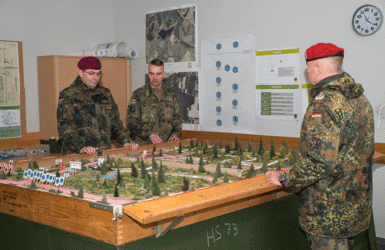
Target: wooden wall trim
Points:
(28, 140)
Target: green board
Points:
(271, 225)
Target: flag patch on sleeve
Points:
(316, 115)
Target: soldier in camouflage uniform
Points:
(337, 147)
(153, 113)
(87, 115)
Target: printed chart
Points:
(228, 80)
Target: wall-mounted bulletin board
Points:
(13, 127)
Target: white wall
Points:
(279, 24)
(52, 27)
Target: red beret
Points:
(322, 50)
(89, 62)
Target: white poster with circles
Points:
(228, 83)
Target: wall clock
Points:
(367, 20)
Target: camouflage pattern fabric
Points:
(319, 243)
(147, 115)
(88, 117)
(335, 171)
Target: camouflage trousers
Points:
(318, 243)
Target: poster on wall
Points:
(227, 83)
(278, 93)
(10, 126)
(171, 36)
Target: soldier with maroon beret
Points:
(336, 148)
(87, 115)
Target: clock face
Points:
(367, 20)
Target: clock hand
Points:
(367, 19)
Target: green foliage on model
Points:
(215, 151)
(104, 199)
(143, 170)
(116, 192)
(146, 184)
(155, 185)
(160, 153)
(35, 166)
(282, 152)
(196, 144)
(180, 147)
(272, 150)
(236, 143)
(218, 171)
(192, 143)
(161, 174)
(261, 151)
(250, 172)
(264, 167)
(226, 178)
(278, 166)
(134, 171)
(154, 164)
(80, 192)
(186, 184)
(201, 168)
(249, 148)
(239, 164)
(227, 149)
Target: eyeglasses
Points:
(99, 74)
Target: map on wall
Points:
(228, 83)
(171, 36)
(10, 126)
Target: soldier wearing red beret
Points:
(87, 115)
(337, 147)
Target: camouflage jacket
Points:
(88, 117)
(147, 115)
(335, 171)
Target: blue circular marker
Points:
(227, 67)
(235, 102)
(235, 69)
(219, 122)
(218, 94)
(219, 109)
(235, 86)
(235, 118)
(218, 64)
(235, 44)
(219, 46)
(218, 80)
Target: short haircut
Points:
(157, 62)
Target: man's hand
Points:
(88, 150)
(272, 177)
(173, 138)
(134, 146)
(155, 139)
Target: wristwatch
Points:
(281, 177)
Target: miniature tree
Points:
(80, 192)
(249, 148)
(29, 165)
(57, 174)
(191, 159)
(35, 165)
(160, 152)
(261, 150)
(98, 178)
(116, 192)
(206, 146)
(215, 179)
(201, 168)
(187, 159)
(153, 151)
(236, 143)
(189, 148)
(266, 156)
(19, 173)
(282, 152)
(204, 150)
(165, 192)
(186, 184)
(192, 143)
(218, 170)
(134, 171)
(290, 159)
(295, 155)
(143, 170)
(284, 145)
(272, 150)
(104, 168)
(196, 144)
(180, 148)
(253, 152)
(215, 151)
(108, 159)
(33, 184)
(155, 185)
(146, 184)
(202, 142)
(161, 174)
(240, 164)
(104, 199)
(250, 172)
(226, 178)
(220, 144)
(9, 173)
(105, 183)
(118, 178)
(264, 167)
(278, 166)
(154, 164)
(227, 149)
